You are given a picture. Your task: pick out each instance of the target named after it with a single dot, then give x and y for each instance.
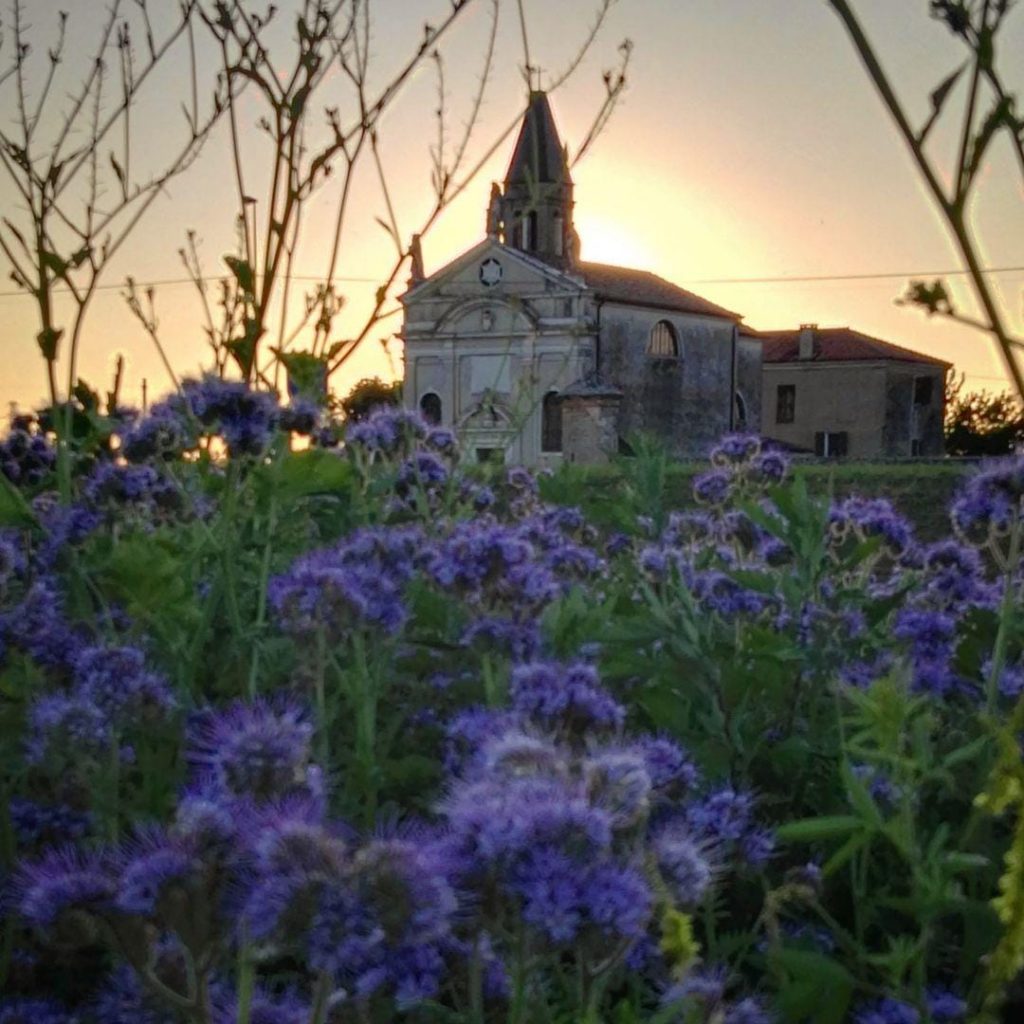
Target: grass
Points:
(611, 495)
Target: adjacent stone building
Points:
(535, 356)
(837, 392)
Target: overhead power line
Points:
(849, 277)
(15, 292)
(806, 279)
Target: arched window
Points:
(430, 406)
(551, 423)
(663, 342)
(741, 412)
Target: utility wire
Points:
(14, 293)
(848, 277)
(706, 280)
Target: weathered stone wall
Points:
(687, 402)
(590, 433)
(748, 381)
(907, 419)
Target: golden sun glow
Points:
(603, 240)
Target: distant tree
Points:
(982, 422)
(368, 394)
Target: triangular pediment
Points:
(492, 269)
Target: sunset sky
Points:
(749, 144)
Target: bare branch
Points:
(954, 212)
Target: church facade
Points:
(535, 356)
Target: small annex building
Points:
(837, 392)
(535, 356)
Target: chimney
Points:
(807, 340)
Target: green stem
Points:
(319, 683)
(491, 694)
(228, 549)
(366, 698)
(261, 607)
(246, 978)
(8, 856)
(320, 999)
(476, 985)
(1006, 607)
(517, 1005)
(114, 787)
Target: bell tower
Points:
(533, 211)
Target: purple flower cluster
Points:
(26, 458)
(245, 418)
(887, 1011)
(931, 636)
(111, 694)
(704, 991)
(567, 698)
(259, 749)
(550, 809)
(161, 436)
(38, 626)
(250, 850)
(112, 485)
(991, 502)
(860, 519)
(745, 462)
(388, 432)
(359, 583)
(38, 825)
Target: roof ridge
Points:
(871, 347)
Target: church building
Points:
(535, 356)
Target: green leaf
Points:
(243, 274)
(307, 374)
(817, 989)
(810, 830)
(860, 797)
(243, 349)
(968, 752)
(845, 853)
(313, 471)
(89, 399)
(48, 339)
(958, 862)
(14, 510)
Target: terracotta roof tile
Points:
(641, 288)
(836, 345)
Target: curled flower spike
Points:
(64, 894)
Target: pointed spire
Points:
(534, 210)
(538, 157)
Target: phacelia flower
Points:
(257, 749)
(63, 892)
(684, 864)
(569, 696)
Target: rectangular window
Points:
(785, 403)
(831, 444)
(915, 446)
(923, 387)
